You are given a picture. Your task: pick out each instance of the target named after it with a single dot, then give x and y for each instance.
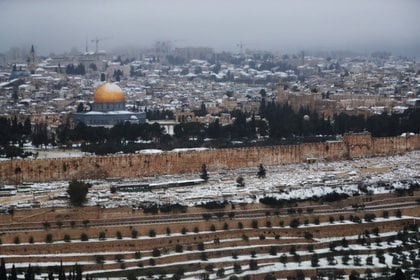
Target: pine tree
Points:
(13, 274)
(61, 274)
(3, 273)
(29, 275)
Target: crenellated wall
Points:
(136, 165)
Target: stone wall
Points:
(136, 165)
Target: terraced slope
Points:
(250, 241)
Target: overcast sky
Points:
(278, 25)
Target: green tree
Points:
(283, 259)
(203, 174)
(78, 191)
(240, 182)
(261, 171)
(3, 273)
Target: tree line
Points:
(54, 272)
(284, 122)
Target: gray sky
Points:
(278, 25)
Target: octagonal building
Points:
(108, 108)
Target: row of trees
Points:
(56, 272)
(72, 69)
(284, 122)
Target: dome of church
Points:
(109, 93)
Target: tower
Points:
(32, 60)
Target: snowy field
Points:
(379, 174)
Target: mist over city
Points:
(283, 26)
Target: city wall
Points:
(137, 165)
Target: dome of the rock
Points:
(109, 93)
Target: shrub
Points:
(137, 255)
(119, 235)
(119, 258)
(196, 230)
(240, 225)
(152, 262)
(31, 239)
(84, 237)
(283, 259)
(268, 224)
(48, 238)
(308, 235)
(310, 247)
(134, 233)
(253, 264)
(314, 260)
(331, 219)
(203, 256)
(200, 246)
(294, 223)
(369, 217)
(102, 235)
(254, 224)
(178, 248)
(46, 225)
(209, 267)
(237, 268)
(66, 238)
(273, 250)
(225, 226)
(99, 259)
(184, 230)
(168, 231)
(206, 216)
(152, 233)
(213, 227)
(292, 250)
(156, 252)
(220, 272)
(262, 237)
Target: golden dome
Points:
(108, 93)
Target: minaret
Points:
(32, 60)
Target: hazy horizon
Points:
(284, 26)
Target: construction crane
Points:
(97, 40)
(241, 46)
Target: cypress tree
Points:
(13, 274)
(3, 273)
